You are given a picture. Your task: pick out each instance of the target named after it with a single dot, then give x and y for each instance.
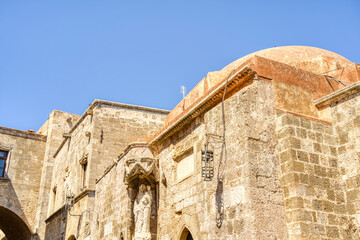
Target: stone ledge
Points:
(4, 179)
(128, 106)
(87, 192)
(53, 215)
(337, 95)
(22, 134)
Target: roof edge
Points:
(214, 97)
(98, 102)
(337, 96)
(23, 134)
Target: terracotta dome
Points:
(311, 59)
(292, 58)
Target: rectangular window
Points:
(84, 167)
(3, 157)
(83, 162)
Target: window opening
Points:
(84, 168)
(3, 157)
(83, 161)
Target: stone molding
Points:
(337, 96)
(240, 78)
(22, 134)
(303, 116)
(57, 212)
(4, 179)
(97, 102)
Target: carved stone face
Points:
(142, 188)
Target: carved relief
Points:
(141, 175)
(142, 211)
(141, 168)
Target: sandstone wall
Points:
(58, 123)
(112, 206)
(315, 199)
(20, 186)
(247, 200)
(67, 169)
(99, 138)
(80, 216)
(115, 128)
(67, 180)
(56, 226)
(346, 121)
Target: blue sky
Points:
(64, 54)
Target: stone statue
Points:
(142, 211)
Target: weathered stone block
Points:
(287, 155)
(328, 206)
(332, 232)
(317, 205)
(294, 202)
(302, 156)
(317, 147)
(314, 158)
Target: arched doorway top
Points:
(72, 237)
(185, 234)
(13, 226)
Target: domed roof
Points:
(311, 59)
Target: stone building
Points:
(266, 148)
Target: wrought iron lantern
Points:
(207, 164)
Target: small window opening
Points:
(84, 168)
(84, 162)
(3, 158)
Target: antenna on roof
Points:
(183, 90)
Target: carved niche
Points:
(141, 176)
(141, 168)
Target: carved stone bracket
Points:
(143, 168)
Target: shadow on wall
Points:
(12, 217)
(13, 226)
(56, 226)
(219, 195)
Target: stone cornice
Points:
(128, 106)
(337, 95)
(54, 214)
(22, 134)
(240, 78)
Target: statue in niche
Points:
(142, 211)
